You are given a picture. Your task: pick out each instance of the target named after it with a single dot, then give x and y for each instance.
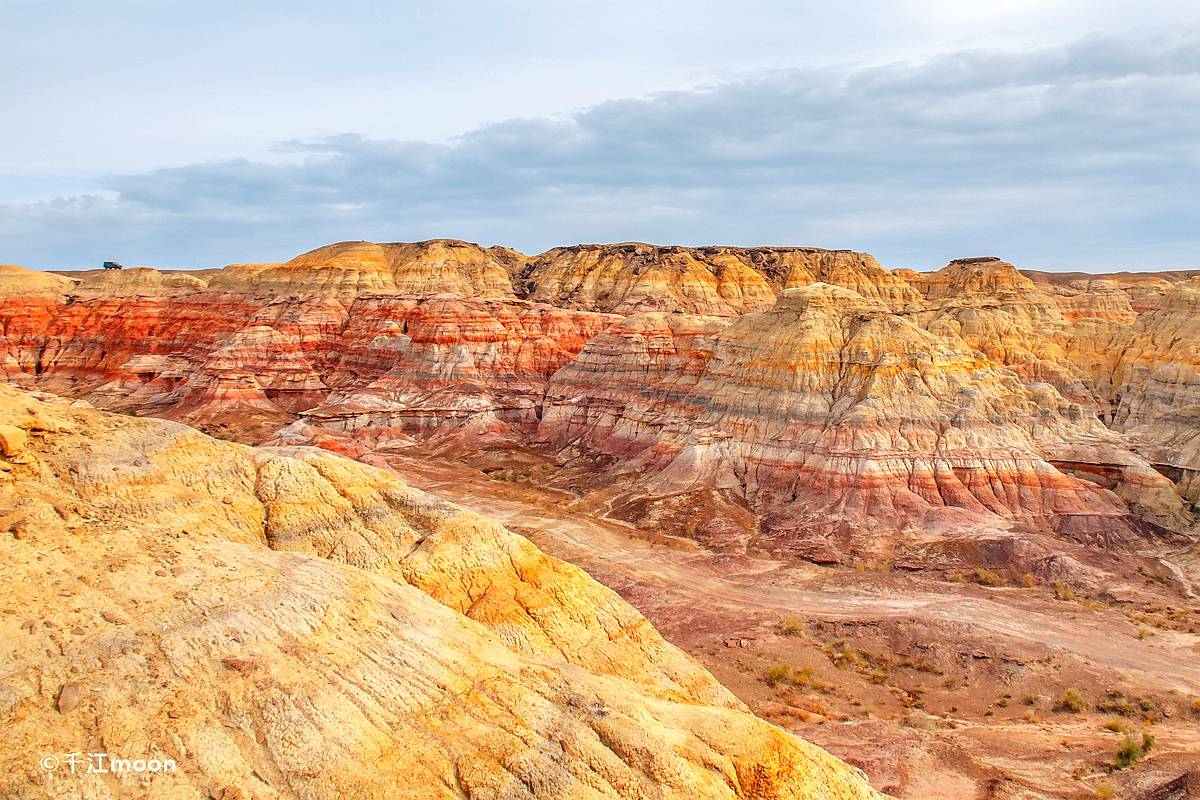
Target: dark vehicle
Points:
(113, 265)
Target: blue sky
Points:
(1058, 135)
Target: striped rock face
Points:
(831, 410)
(287, 623)
(723, 281)
(803, 394)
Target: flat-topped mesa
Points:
(830, 413)
(351, 268)
(983, 277)
(988, 304)
(318, 616)
(18, 282)
(136, 281)
(724, 281)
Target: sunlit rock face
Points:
(351, 268)
(807, 390)
(287, 621)
(724, 281)
(830, 409)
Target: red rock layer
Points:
(208, 356)
(829, 408)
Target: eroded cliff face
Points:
(724, 281)
(775, 395)
(829, 410)
(276, 620)
(351, 268)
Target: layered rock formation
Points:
(288, 623)
(827, 410)
(350, 268)
(725, 281)
(137, 281)
(807, 390)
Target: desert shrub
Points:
(1062, 591)
(1196, 706)
(985, 577)
(845, 657)
(1117, 725)
(1028, 581)
(791, 626)
(1072, 700)
(1104, 791)
(1131, 750)
(777, 674)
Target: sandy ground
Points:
(936, 689)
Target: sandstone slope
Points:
(287, 623)
(829, 412)
(350, 268)
(725, 281)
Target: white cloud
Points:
(1082, 155)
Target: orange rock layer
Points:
(814, 388)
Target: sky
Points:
(1057, 134)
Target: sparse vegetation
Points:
(1072, 700)
(1117, 702)
(1104, 791)
(1196, 706)
(985, 577)
(1118, 725)
(1028, 581)
(845, 657)
(1131, 750)
(1062, 591)
(777, 674)
(791, 626)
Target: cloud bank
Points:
(1081, 156)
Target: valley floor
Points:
(937, 689)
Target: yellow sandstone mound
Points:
(16, 280)
(351, 268)
(286, 623)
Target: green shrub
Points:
(777, 674)
(1130, 750)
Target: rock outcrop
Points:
(726, 281)
(288, 623)
(18, 281)
(804, 389)
(137, 281)
(827, 412)
(351, 268)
